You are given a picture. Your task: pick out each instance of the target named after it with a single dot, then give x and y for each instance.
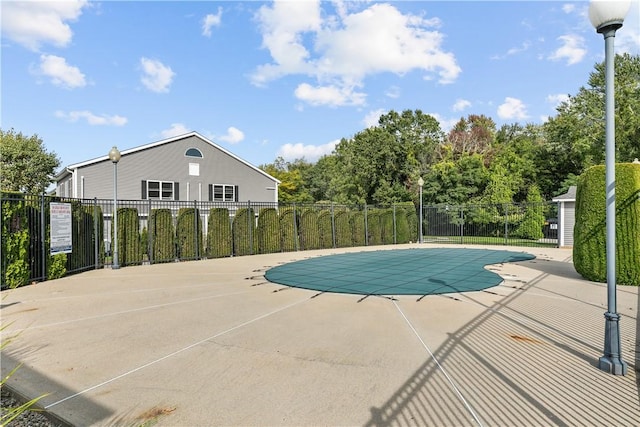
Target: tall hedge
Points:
(325, 227)
(412, 223)
(309, 230)
(387, 226)
(359, 230)
(269, 234)
(589, 250)
(219, 241)
(161, 234)
(15, 241)
(374, 226)
(189, 234)
(344, 229)
(129, 250)
(289, 229)
(245, 241)
(402, 225)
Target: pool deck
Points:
(212, 343)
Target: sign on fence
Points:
(60, 216)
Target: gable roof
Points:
(69, 169)
(569, 196)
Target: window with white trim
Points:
(160, 190)
(223, 193)
(193, 152)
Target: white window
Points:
(223, 193)
(160, 190)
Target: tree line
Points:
(475, 162)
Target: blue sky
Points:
(269, 79)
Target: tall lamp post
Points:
(607, 17)
(420, 184)
(114, 156)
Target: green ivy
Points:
(15, 242)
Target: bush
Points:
(374, 226)
(15, 242)
(589, 250)
(359, 230)
(402, 225)
(387, 227)
(129, 251)
(161, 235)
(344, 229)
(219, 241)
(289, 229)
(57, 267)
(309, 230)
(534, 216)
(245, 240)
(412, 223)
(325, 228)
(189, 234)
(269, 231)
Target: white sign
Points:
(60, 221)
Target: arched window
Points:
(193, 152)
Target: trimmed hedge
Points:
(289, 229)
(402, 225)
(325, 229)
(359, 231)
(375, 226)
(344, 229)
(589, 250)
(269, 234)
(387, 226)
(161, 236)
(309, 230)
(219, 240)
(189, 234)
(129, 250)
(245, 241)
(412, 223)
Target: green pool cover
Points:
(397, 272)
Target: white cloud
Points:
(512, 108)
(310, 153)
(372, 117)
(156, 76)
(92, 119)
(568, 8)
(233, 136)
(33, 23)
(60, 73)
(211, 20)
(557, 99)
(339, 51)
(461, 104)
(514, 50)
(329, 95)
(175, 130)
(393, 92)
(446, 124)
(572, 49)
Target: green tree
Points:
(290, 174)
(575, 136)
(25, 163)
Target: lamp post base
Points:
(611, 361)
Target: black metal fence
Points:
(154, 231)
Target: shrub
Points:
(309, 230)
(15, 241)
(387, 226)
(374, 226)
(530, 227)
(269, 231)
(245, 240)
(129, 251)
(189, 234)
(357, 220)
(589, 250)
(344, 229)
(289, 229)
(402, 225)
(161, 235)
(325, 228)
(412, 223)
(57, 267)
(219, 242)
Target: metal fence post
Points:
(251, 222)
(96, 248)
(461, 225)
(295, 229)
(333, 226)
(43, 243)
(196, 252)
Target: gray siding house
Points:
(566, 216)
(186, 167)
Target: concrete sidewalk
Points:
(211, 343)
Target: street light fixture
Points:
(607, 17)
(420, 184)
(114, 156)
